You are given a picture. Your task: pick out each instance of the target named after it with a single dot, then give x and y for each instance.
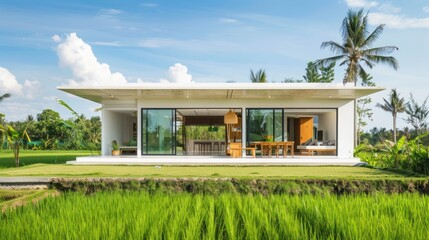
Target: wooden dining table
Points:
(285, 146)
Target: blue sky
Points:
(44, 44)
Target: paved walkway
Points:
(23, 182)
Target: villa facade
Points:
(150, 119)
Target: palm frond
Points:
(386, 106)
(344, 62)
(4, 96)
(367, 62)
(374, 35)
(334, 47)
(328, 61)
(380, 50)
(389, 60)
(258, 77)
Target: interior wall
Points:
(328, 124)
(127, 128)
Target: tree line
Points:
(48, 131)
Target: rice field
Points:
(138, 215)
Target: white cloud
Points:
(16, 111)
(77, 55)
(178, 73)
(426, 9)
(31, 88)
(361, 3)
(389, 8)
(228, 20)
(110, 11)
(396, 21)
(9, 84)
(108, 44)
(56, 38)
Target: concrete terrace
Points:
(213, 160)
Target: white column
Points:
(104, 148)
(243, 131)
(139, 130)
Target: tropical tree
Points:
(417, 114)
(314, 73)
(15, 139)
(355, 51)
(49, 128)
(364, 112)
(4, 96)
(311, 73)
(327, 74)
(395, 104)
(80, 129)
(258, 77)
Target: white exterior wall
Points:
(346, 121)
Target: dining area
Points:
(270, 148)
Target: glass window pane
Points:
(158, 131)
(260, 125)
(278, 125)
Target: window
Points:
(158, 132)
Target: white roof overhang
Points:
(220, 91)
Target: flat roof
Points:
(132, 91)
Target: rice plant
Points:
(139, 215)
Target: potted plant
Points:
(269, 138)
(115, 148)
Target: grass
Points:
(137, 215)
(325, 172)
(28, 157)
(19, 197)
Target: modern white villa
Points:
(153, 120)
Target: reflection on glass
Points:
(265, 125)
(158, 131)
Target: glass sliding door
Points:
(278, 125)
(265, 124)
(158, 132)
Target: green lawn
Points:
(63, 170)
(52, 163)
(28, 157)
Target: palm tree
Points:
(355, 49)
(417, 114)
(395, 105)
(4, 96)
(259, 77)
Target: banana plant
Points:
(15, 138)
(79, 126)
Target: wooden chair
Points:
(266, 149)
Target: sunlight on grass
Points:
(200, 171)
(28, 157)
